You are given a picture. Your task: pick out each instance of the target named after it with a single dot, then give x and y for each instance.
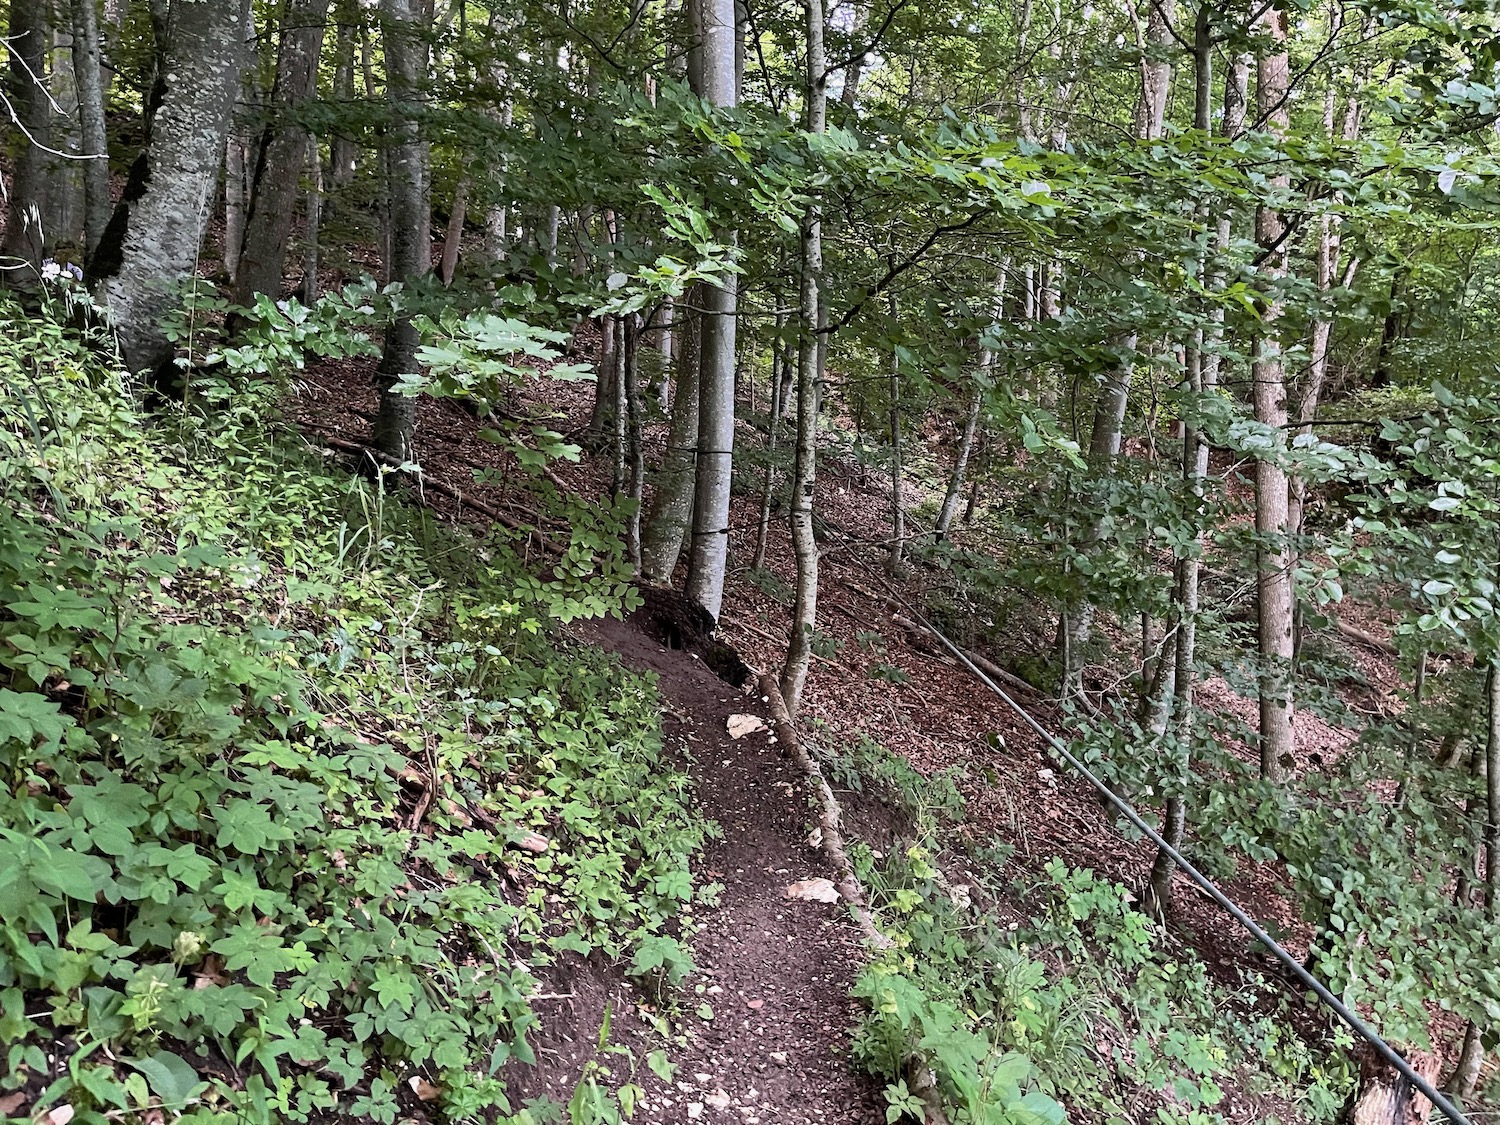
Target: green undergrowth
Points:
(1017, 999)
(301, 789)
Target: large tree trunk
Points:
(410, 214)
(89, 76)
(1278, 737)
(811, 353)
(277, 153)
(710, 547)
(26, 236)
(151, 244)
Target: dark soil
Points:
(776, 972)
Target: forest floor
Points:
(776, 973)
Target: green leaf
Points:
(171, 1079)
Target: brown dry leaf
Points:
(814, 890)
(425, 1090)
(11, 1102)
(741, 725)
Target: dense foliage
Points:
(299, 783)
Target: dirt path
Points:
(777, 971)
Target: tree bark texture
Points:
(89, 75)
(811, 352)
(26, 236)
(672, 500)
(278, 151)
(1275, 601)
(710, 546)
(152, 242)
(410, 214)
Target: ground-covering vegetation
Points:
(1146, 348)
(302, 791)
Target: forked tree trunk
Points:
(152, 241)
(1203, 375)
(1114, 392)
(672, 501)
(955, 488)
(811, 350)
(1275, 604)
(410, 215)
(278, 152)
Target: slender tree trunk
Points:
(496, 237)
(314, 214)
(278, 152)
(1278, 736)
(234, 204)
(410, 211)
(64, 212)
(896, 560)
(810, 365)
(672, 502)
(961, 461)
(773, 432)
(630, 378)
(89, 74)
(710, 545)
(26, 236)
(1465, 1077)
(153, 238)
(454, 236)
(1203, 379)
(343, 153)
(1114, 392)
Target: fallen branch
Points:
(983, 663)
(828, 818)
(442, 489)
(1355, 633)
(749, 628)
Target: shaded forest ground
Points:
(883, 683)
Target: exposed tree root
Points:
(829, 816)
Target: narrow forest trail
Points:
(776, 971)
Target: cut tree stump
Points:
(1388, 1098)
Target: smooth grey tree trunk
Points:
(278, 152)
(89, 77)
(811, 357)
(710, 544)
(154, 236)
(410, 214)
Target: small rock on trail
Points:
(772, 1044)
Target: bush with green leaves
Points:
(300, 786)
(1077, 1002)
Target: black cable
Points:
(1360, 1028)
